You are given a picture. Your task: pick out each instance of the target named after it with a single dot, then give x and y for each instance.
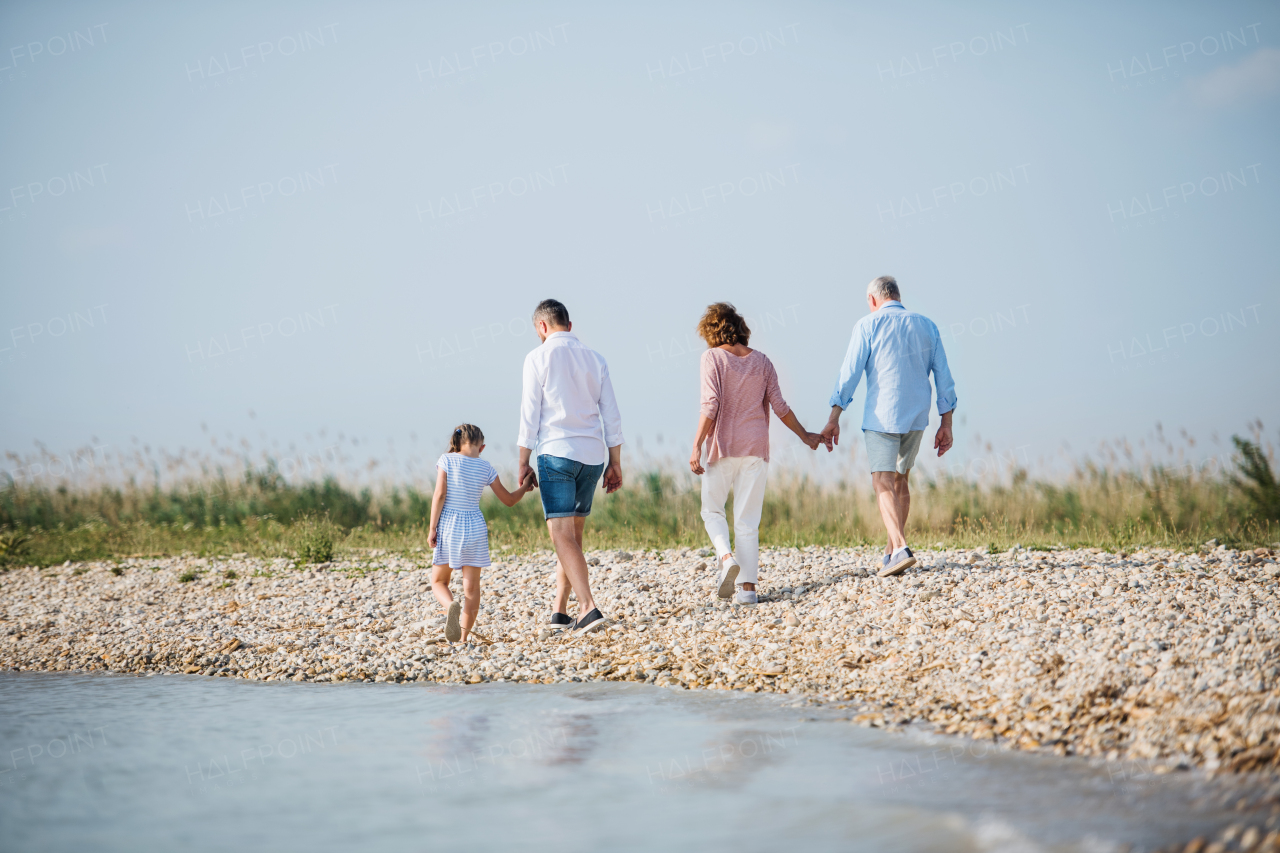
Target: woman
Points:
(739, 386)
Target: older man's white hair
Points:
(885, 287)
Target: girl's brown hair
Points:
(722, 324)
(465, 434)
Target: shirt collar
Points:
(893, 303)
(562, 334)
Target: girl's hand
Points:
(431, 538)
(695, 460)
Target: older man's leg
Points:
(886, 486)
(902, 499)
(566, 538)
(562, 580)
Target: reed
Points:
(263, 513)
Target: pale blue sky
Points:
(339, 215)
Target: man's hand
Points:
(812, 440)
(943, 440)
(529, 482)
(526, 474)
(613, 477)
(695, 460)
(525, 469)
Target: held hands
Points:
(526, 474)
(812, 440)
(529, 482)
(831, 434)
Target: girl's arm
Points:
(510, 498)
(705, 426)
(437, 504)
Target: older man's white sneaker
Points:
(746, 597)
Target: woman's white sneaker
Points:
(728, 577)
(746, 597)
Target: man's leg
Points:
(748, 502)
(562, 580)
(566, 539)
(886, 486)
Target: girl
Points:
(459, 534)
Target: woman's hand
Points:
(695, 460)
(431, 538)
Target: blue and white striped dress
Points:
(462, 537)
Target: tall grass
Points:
(264, 513)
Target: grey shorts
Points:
(892, 451)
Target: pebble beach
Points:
(1161, 657)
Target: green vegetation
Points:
(1256, 480)
(315, 522)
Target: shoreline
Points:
(1158, 657)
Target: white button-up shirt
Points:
(567, 407)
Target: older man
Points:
(568, 413)
(897, 349)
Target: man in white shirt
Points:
(569, 415)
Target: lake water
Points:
(101, 762)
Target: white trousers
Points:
(745, 475)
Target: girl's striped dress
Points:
(462, 537)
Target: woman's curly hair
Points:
(722, 324)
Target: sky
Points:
(305, 225)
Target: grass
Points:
(263, 514)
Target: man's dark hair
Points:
(553, 312)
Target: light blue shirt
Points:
(897, 349)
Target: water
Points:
(104, 762)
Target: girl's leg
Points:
(440, 585)
(470, 599)
(748, 501)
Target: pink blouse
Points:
(737, 392)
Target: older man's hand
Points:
(942, 441)
(695, 461)
(830, 434)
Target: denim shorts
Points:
(892, 451)
(566, 486)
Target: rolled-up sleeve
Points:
(773, 392)
(942, 381)
(855, 363)
(609, 414)
(530, 406)
(710, 396)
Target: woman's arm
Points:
(511, 498)
(709, 408)
(705, 426)
(437, 504)
(811, 439)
